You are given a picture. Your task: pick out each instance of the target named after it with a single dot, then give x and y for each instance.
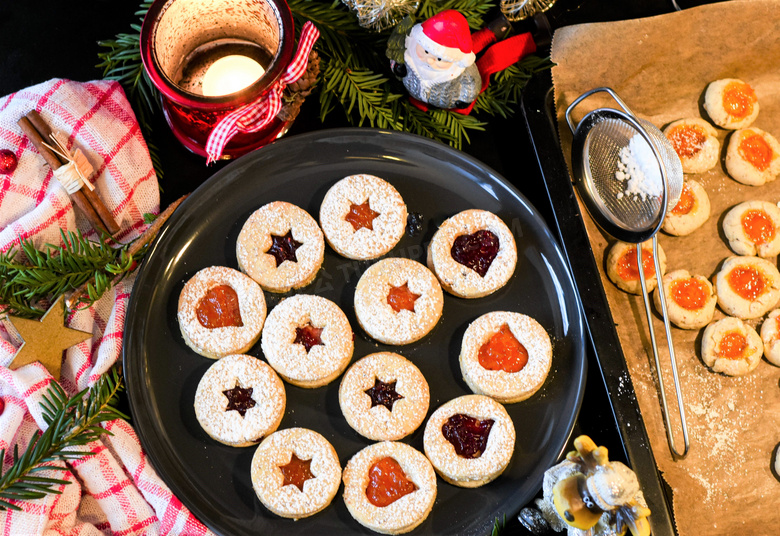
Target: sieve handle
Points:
(587, 94)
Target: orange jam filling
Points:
(387, 483)
(296, 472)
(738, 99)
(777, 321)
(401, 298)
(732, 345)
(219, 308)
(754, 149)
(687, 140)
(690, 293)
(361, 216)
(758, 226)
(686, 202)
(503, 352)
(627, 267)
(747, 282)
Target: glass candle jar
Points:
(208, 57)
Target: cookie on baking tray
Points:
(220, 312)
(389, 487)
(295, 473)
(753, 157)
(730, 346)
(696, 143)
(753, 228)
(473, 254)
(690, 212)
(384, 396)
(281, 247)
(690, 299)
(363, 217)
(747, 287)
(622, 266)
(731, 103)
(307, 340)
(505, 355)
(770, 336)
(239, 400)
(470, 440)
(398, 301)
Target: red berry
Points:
(8, 161)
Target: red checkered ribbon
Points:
(258, 113)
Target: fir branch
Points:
(72, 422)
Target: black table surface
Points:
(45, 39)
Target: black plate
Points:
(162, 372)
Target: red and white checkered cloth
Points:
(115, 490)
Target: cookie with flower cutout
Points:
(622, 266)
(696, 143)
(747, 287)
(731, 346)
(690, 299)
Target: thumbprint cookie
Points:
(690, 212)
(221, 312)
(505, 355)
(753, 228)
(473, 254)
(384, 397)
(239, 400)
(389, 487)
(307, 340)
(696, 143)
(770, 336)
(730, 346)
(731, 103)
(295, 473)
(398, 301)
(753, 157)
(690, 299)
(363, 217)
(747, 287)
(470, 440)
(622, 266)
(281, 247)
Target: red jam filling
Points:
(308, 336)
(476, 251)
(738, 99)
(687, 140)
(746, 281)
(296, 472)
(387, 483)
(383, 393)
(686, 202)
(219, 308)
(503, 352)
(283, 248)
(690, 294)
(732, 345)
(401, 298)
(758, 226)
(627, 267)
(468, 435)
(754, 149)
(239, 399)
(361, 216)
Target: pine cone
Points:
(296, 93)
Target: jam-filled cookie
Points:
(690, 299)
(308, 340)
(389, 487)
(221, 312)
(295, 473)
(384, 397)
(690, 212)
(730, 346)
(622, 266)
(239, 400)
(470, 440)
(753, 157)
(753, 228)
(770, 336)
(473, 254)
(398, 301)
(747, 287)
(363, 217)
(696, 143)
(505, 355)
(731, 103)
(281, 247)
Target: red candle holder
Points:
(181, 40)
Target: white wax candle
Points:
(230, 74)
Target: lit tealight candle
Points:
(230, 74)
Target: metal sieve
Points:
(599, 139)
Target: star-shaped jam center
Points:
(283, 248)
(239, 399)
(383, 393)
(361, 216)
(296, 472)
(308, 336)
(401, 298)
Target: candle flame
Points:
(230, 74)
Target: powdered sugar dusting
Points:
(638, 168)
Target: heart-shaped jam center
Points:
(467, 434)
(308, 336)
(361, 216)
(219, 308)
(387, 482)
(503, 352)
(476, 251)
(296, 472)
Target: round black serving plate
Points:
(162, 373)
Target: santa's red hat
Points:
(447, 36)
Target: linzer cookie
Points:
(389, 487)
(307, 340)
(622, 266)
(753, 228)
(295, 473)
(281, 247)
(505, 355)
(239, 400)
(732, 347)
(747, 287)
(221, 311)
(690, 299)
(473, 254)
(363, 217)
(384, 397)
(470, 440)
(398, 301)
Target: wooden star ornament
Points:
(46, 339)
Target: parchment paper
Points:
(660, 66)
